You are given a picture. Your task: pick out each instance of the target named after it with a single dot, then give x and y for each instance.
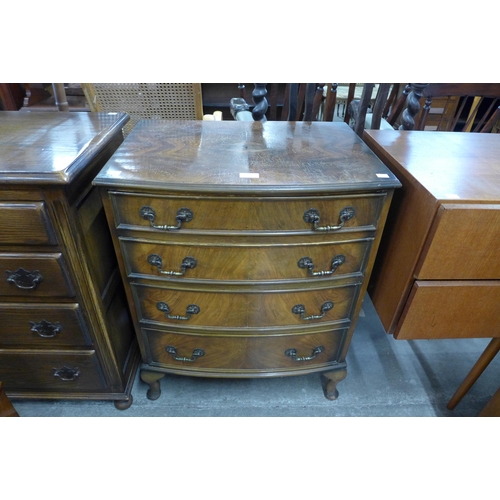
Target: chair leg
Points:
(484, 360)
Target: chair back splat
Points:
(178, 101)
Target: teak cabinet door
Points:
(462, 244)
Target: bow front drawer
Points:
(244, 309)
(256, 262)
(321, 213)
(244, 354)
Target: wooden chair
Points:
(301, 101)
(6, 408)
(465, 107)
(181, 101)
(492, 409)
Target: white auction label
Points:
(248, 175)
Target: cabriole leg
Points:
(152, 378)
(330, 380)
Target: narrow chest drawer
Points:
(339, 213)
(245, 309)
(61, 371)
(42, 325)
(258, 262)
(462, 243)
(250, 354)
(25, 223)
(34, 275)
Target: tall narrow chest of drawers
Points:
(245, 246)
(65, 330)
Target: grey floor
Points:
(386, 378)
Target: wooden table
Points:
(245, 246)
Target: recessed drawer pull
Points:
(307, 263)
(67, 374)
(45, 328)
(300, 309)
(312, 216)
(25, 280)
(187, 263)
(197, 353)
(191, 309)
(293, 354)
(183, 215)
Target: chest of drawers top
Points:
(270, 158)
(52, 148)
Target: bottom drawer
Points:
(242, 354)
(58, 371)
(451, 309)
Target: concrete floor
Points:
(386, 378)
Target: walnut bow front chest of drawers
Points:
(65, 329)
(245, 247)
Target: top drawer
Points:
(340, 213)
(462, 243)
(25, 223)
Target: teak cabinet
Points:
(65, 329)
(245, 246)
(437, 273)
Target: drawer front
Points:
(42, 325)
(242, 263)
(243, 353)
(60, 371)
(451, 309)
(462, 244)
(34, 275)
(242, 309)
(25, 223)
(246, 214)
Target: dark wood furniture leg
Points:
(153, 379)
(484, 360)
(124, 404)
(6, 408)
(330, 380)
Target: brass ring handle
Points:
(300, 309)
(197, 353)
(183, 215)
(312, 216)
(67, 374)
(46, 329)
(293, 354)
(25, 280)
(164, 308)
(187, 263)
(307, 263)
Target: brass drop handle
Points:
(307, 263)
(25, 280)
(187, 263)
(183, 215)
(67, 374)
(197, 353)
(46, 329)
(293, 354)
(300, 309)
(312, 216)
(191, 309)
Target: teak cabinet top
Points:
(52, 148)
(449, 165)
(245, 157)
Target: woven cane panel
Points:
(147, 100)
